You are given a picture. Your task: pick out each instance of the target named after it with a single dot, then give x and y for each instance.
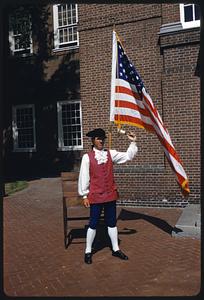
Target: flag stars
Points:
(127, 70)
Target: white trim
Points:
(57, 45)
(55, 25)
(59, 122)
(64, 49)
(190, 24)
(61, 146)
(16, 148)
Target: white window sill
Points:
(75, 148)
(189, 25)
(22, 55)
(65, 49)
(24, 150)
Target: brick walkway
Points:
(37, 264)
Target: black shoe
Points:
(119, 254)
(87, 258)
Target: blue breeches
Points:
(109, 214)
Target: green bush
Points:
(12, 187)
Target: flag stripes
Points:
(131, 104)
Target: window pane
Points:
(61, 35)
(197, 12)
(64, 6)
(60, 18)
(75, 34)
(71, 124)
(65, 18)
(69, 15)
(74, 13)
(188, 13)
(67, 29)
(65, 36)
(25, 138)
(20, 26)
(25, 127)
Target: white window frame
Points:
(57, 46)
(16, 148)
(190, 24)
(12, 40)
(61, 146)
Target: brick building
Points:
(62, 83)
(164, 49)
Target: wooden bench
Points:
(71, 198)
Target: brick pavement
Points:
(37, 264)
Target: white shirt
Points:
(101, 157)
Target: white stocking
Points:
(89, 239)
(113, 234)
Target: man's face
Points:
(99, 142)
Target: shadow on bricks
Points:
(102, 239)
(162, 224)
(74, 234)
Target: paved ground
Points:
(37, 264)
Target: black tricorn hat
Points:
(98, 132)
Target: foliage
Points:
(13, 187)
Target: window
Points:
(20, 32)
(190, 15)
(23, 125)
(69, 125)
(65, 19)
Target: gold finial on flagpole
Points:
(113, 24)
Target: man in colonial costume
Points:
(97, 187)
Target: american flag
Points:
(132, 105)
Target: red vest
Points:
(102, 185)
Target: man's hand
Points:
(132, 136)
(86, 202)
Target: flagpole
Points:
(117, 70)
(110, 125)
(110, 136)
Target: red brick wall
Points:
(181, 94)
(168, 74)
(170, 13)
